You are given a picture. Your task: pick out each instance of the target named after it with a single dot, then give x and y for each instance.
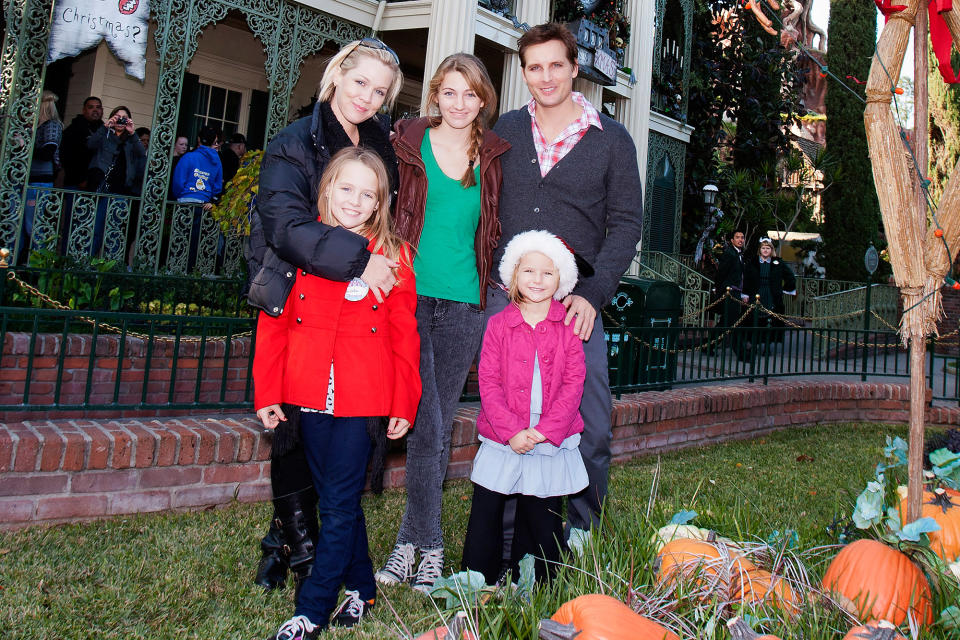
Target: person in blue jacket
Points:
(198, 177)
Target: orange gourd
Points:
(943, 505)
(702, 563)
(874, 630)
(599, 617)
(740, 630)
(762, 587)
(873, 581)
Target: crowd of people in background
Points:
(110, 158)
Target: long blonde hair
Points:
(473, 71)
(348, 57)
(378, 227)
(48, 107)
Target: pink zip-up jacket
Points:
(506, 376)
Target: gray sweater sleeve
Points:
(624, 218)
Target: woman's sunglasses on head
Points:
(376, 43)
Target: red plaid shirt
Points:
(550, 153)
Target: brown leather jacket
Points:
(412, 196)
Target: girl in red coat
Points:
(531, 379)
(341, 356)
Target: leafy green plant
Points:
(79, 283)
(239, 197)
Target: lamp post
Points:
(710, 193)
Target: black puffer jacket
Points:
(284, 232)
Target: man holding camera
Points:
(74, 154)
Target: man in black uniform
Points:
(730, 276)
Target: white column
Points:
(453, 27)
(592, 91)
(639, 58)
(513, 91)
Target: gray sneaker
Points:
(399, 566)
(429, 570)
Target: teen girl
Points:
(447, 209)
(368, 353)
(287, 241)
(531, 380)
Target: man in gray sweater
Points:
(573, 172)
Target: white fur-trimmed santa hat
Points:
(547, 244)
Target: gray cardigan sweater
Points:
(592, 199)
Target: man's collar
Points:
(590, 112)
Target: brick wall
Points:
(161, 363)
(63, 470)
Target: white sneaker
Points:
(579, 540)
(429, 570)
(399, 566)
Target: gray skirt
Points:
(544, 472)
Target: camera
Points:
(122, 120)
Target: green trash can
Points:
(659, 334)
(625, 310)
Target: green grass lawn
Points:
(188, 575)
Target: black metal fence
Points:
(56, 360)
(177, 343)
(651, 358)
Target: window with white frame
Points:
(223, 108)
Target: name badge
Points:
(356, 290)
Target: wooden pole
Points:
(918, 387)
(918, 381)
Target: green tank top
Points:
(446, 262)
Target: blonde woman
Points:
(288, 242)
(46, 160)
(447, 210)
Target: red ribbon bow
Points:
(939, 32)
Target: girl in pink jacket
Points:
(531, 378)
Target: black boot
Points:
(297, 514)
(272, 570)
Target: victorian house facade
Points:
(251, 66)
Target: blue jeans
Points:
(450, 334)
(337, 451)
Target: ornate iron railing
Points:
(82, 225)
(289, 32)
(656, 265)
(848, 309)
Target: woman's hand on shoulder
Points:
(397, 428)
(271, 416)
(379, 276)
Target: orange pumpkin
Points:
(873, 581)
(740, 630)
(703, 563)
(598, 617)
(943, 505)
(874, 630)
(762, 587)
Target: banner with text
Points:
(79, 25)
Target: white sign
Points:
(605, 64)
(79, 25)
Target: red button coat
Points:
(374, 346)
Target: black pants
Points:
(538, 531)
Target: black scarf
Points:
(372, 136)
